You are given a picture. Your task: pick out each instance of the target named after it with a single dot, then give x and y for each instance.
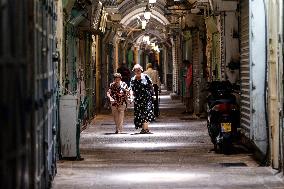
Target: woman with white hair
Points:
(142, 90)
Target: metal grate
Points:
(45, 94)
(107, 124)
(198, 79)
(222, 46)
(158, 150)
(237, 164)
(15, 116)
(28, 98)
(245, 66)
(175, 50)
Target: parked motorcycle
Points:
(223, 115)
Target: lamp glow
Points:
(152, 1)
(147, 13)
(146, 39)
(144, 23)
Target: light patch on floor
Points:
(146, 145)
(163, 177)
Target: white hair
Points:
(137, 66)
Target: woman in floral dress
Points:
(117, 94)
(142, 90)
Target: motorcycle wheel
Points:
(226, 146)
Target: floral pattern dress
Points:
(119, 93)
(143, 100)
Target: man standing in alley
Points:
(188, 87)
(154, 75)
(125, 73)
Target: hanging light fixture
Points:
(144, 23)
(147, 13)
(152, 1)
(146, 39)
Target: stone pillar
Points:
(136, 54)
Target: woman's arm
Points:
(109, 96)
(131, 96)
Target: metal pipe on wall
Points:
(136, 54)
(273, 97)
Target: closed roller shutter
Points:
(245, 66)
(16, 114)
(175, 64)
(197, 71)
(46, 110)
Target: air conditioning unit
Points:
(115, 17)
(226, 6)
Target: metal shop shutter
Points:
(245, 66)
(198, 77)
(46, 111)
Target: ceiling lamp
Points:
(156, 48)
(144, 23)
(146, 39)
(152, 1)
(147, 13)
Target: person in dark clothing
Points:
(154, 75)
(141, 91)
(188, 77)
(125, 73)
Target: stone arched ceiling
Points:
(154, 27)
(163, 14)
(133, 10)
(139, 12)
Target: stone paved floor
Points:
(176, 155)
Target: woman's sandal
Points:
(145, 131)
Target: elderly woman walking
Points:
(142, 90)
(117, 94)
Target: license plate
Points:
(226, 127)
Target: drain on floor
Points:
(153, 150)
(107, 124)
(187, 118)
(240, 164)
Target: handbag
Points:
(107, 104)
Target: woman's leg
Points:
(121, 110)
(145, 128)
(115, 116)
(145, 125)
